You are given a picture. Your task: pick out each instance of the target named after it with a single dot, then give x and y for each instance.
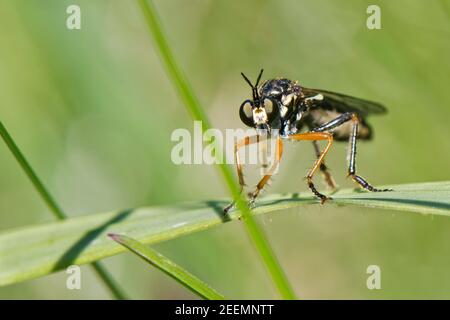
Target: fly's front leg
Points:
(242, 143)
(352, 160)
(324, 169)
(270, 172)
(315, 136)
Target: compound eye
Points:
(271, 108)
(268, 106)
(246, 113)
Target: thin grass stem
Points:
(192, 104)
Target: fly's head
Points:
(260, 112)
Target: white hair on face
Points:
(259, 116)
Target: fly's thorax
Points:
(277, 87)
(285, 92)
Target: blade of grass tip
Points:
(191, 102)
(103, 274)
(170, 268)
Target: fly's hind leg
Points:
(352, 159)
(328, 178)
(345, 117)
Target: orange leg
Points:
(315, 136)
(238, 145)
(328, 178)
(266, 177)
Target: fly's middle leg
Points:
(328, 178)
(315, 136)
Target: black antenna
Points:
(254, 87)
(246, 79)
(259, 77)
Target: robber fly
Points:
(298, 113)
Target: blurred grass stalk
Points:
(185, 278)
(188, 97)
(102, 273)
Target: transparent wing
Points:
(344, 103)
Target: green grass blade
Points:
(26, 167)
(103, 274)
(35, 251)
(173, 270)
(191, 102)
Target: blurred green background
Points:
(93, 111)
